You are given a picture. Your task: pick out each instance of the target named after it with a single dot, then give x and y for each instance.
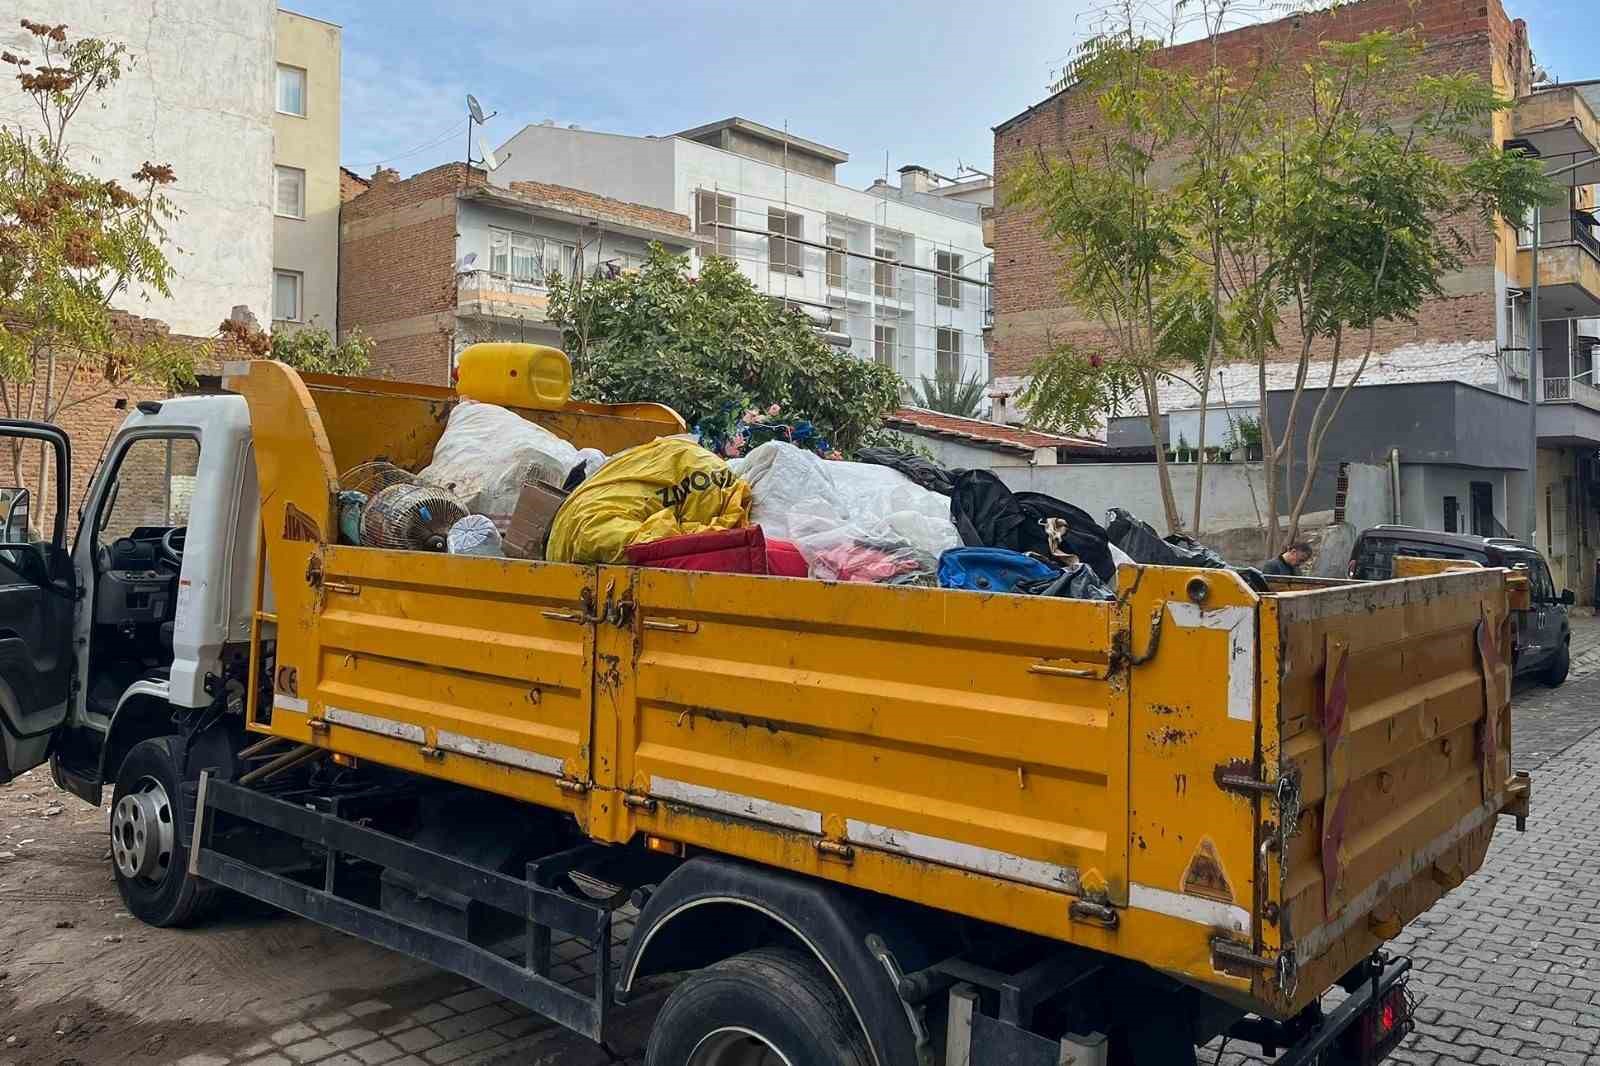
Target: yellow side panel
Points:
(967, 730)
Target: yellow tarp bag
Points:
(661, 489)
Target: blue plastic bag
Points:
(991, 569)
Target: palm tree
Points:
(950, 394)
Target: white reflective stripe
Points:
(738, 804)
(521, 758)
(372, 723)
(1240, 623)
(288, 703)
(964, 856)
(1207, 912)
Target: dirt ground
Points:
(71, 994)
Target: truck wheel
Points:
(1560, 663)
(771, 1007)
(151, 865)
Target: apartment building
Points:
(1466, 456)
(898, 274)
(305, 173)
(444, 259)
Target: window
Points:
(527, 258)
(1482, 502)
(948, 344)
(289, 194)
(713, 213)
(154, 484)
(291, 91)
(836, 260)
(286, 295)
(784, 255)
(1452, 514)
(948, 264)
(1541, 586)
(886, 274)
(883, 345)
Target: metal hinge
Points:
(836, 849)
(638, 802)
(1283, 792)
(572, 785)
(1102, 914)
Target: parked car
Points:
(1543, 634)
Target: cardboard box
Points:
(530, 522)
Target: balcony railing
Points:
(1569, 390)
(1578, 229)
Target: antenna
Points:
(476, 117)
(486, 155)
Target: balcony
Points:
(484, 294)
(1569, 265)
(1560, 124)
(1569, 390)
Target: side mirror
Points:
(1567, 598)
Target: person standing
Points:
(1289, 561)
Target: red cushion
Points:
(725, 551)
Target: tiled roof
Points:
(983, 434)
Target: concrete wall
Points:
(1423, 488)
(636, 169)
(958, 456)
(199, 96)
(1232, 490)
(310, 246)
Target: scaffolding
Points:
(862, 281)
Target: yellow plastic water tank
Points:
(515, 375)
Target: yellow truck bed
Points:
(1250, 792)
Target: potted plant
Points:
(1184, 449)
(1249, 430)
(1213, 452)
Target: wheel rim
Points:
(141, 832)
(733, 1046)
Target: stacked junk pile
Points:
(500, 485)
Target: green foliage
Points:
(71, 243)
(314, 350)
(950, 394)
(712, 347)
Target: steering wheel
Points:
(172, 545)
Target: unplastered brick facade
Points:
(1454, 336)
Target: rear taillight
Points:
(1380, 1030)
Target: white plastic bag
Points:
(487, 451)
(851, 521)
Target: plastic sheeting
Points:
(474, 535)
(851, 521)
(487, 452)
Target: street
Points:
(1507, 967)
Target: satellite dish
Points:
(467, 261)
(487, 154)
(474, 110)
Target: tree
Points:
(1356, 207)
(314, 350)
(71, 244)
(952, 395)
(1132, 237)
(714, 349)
(1334, 193)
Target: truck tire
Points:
(150, 862)
(1560, 663)
(770, 1007)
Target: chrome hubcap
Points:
(735, 1047)
(141, 832)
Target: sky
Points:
(919, 82)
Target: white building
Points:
(900, 278)
(199, 96)
(305, 173)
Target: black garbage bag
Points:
(1074, 583)
(1140, 540)
(925, 472)
(988, 514)
(1085, 538)
(1194, 553)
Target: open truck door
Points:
(36, 606)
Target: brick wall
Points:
(593, 205)
(397, 244)
(1031, 315)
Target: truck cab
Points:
(143, 618)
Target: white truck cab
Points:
(146, 619)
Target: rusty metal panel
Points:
(1387, 701)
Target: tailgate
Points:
(1393, 721)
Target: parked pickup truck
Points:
(843, 824)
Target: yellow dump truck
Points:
(844, 824)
